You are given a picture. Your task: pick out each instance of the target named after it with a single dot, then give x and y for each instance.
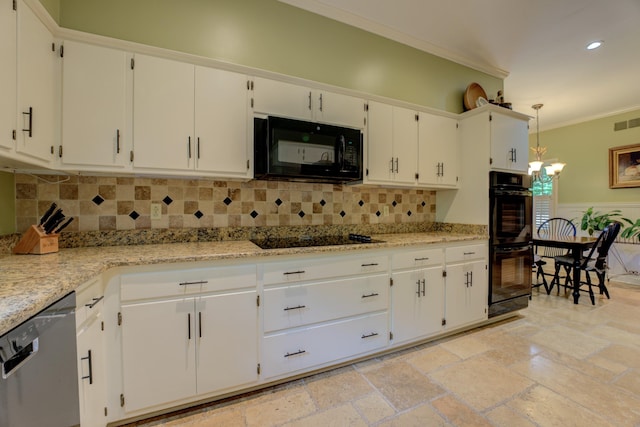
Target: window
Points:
(544, 199)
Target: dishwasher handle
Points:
(21, 357)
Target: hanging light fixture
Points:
(552, 169)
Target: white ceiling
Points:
(538, 46)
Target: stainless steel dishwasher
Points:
(39, 376)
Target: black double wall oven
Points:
(510, 250)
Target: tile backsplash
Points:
(107, 203)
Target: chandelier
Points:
(551, 169)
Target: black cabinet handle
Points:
(200, 324)
(88, 359)
(117, 141)
(295, 308)
(294, 272)
(320, 102)
(370, 264)
(372, 334)
(94, 302)
(189, 324)
(468, 253)
(370, 295)
(189, 147)
(200, 282)
(424, 286)
(198, 147)
(422, 259)
(295, 353)
(30, 128)
(309, 100)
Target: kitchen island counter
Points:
(30, 283)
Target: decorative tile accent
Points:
(100, 199)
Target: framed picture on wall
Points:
(624, 166)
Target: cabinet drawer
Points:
(306, 269)
(289, 352)
(298, 305)
(184, 282)
(417, 258)
(466, 253)
(89, 298)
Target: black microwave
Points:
(294, 150)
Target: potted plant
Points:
(596, 221)
(632, 231)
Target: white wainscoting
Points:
(624, 258)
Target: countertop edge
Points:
(24, 294)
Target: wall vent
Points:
(633, 123)
(619, 126)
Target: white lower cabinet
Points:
(90, 354)
(417, 294)
(467, 295)
(187, 334)
(190, 345)
(297, 350)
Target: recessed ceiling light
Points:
(594, 45)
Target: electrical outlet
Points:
(385, 210)
(156, 211)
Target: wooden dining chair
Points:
(553, 227)
(595, 262)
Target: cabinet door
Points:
(227, 336)
(380, 164)
(438, 150)
(91, 373)
(466, 293)
(7, 73)
(281, 99)
(418, 303)
(509, 143)
(405, 145)
(338, 109)
(158, 352)
(38, 71)
(222, 142)
(93, 105)
(163, 111)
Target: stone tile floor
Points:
(556, 364)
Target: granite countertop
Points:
(30, 283)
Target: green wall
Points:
(53, 7)
(7, 204)
(274, 36)
(584, 147)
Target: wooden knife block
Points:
(36, 241)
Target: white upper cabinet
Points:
(189, 118)
(7, 73)
(282, 99)
(438, 151)
(94, 131)
(163, 111)
(337, 109)
(38, 72)
(509, 143)
(223, 144)
(392, 144)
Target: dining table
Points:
(576, 245)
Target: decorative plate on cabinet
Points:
(471, 95)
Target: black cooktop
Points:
(307, 241)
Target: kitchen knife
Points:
(63, 226)
(49, 225)
(55, 224)
(48, 213)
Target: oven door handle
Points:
(524, 193)
(510, 250)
